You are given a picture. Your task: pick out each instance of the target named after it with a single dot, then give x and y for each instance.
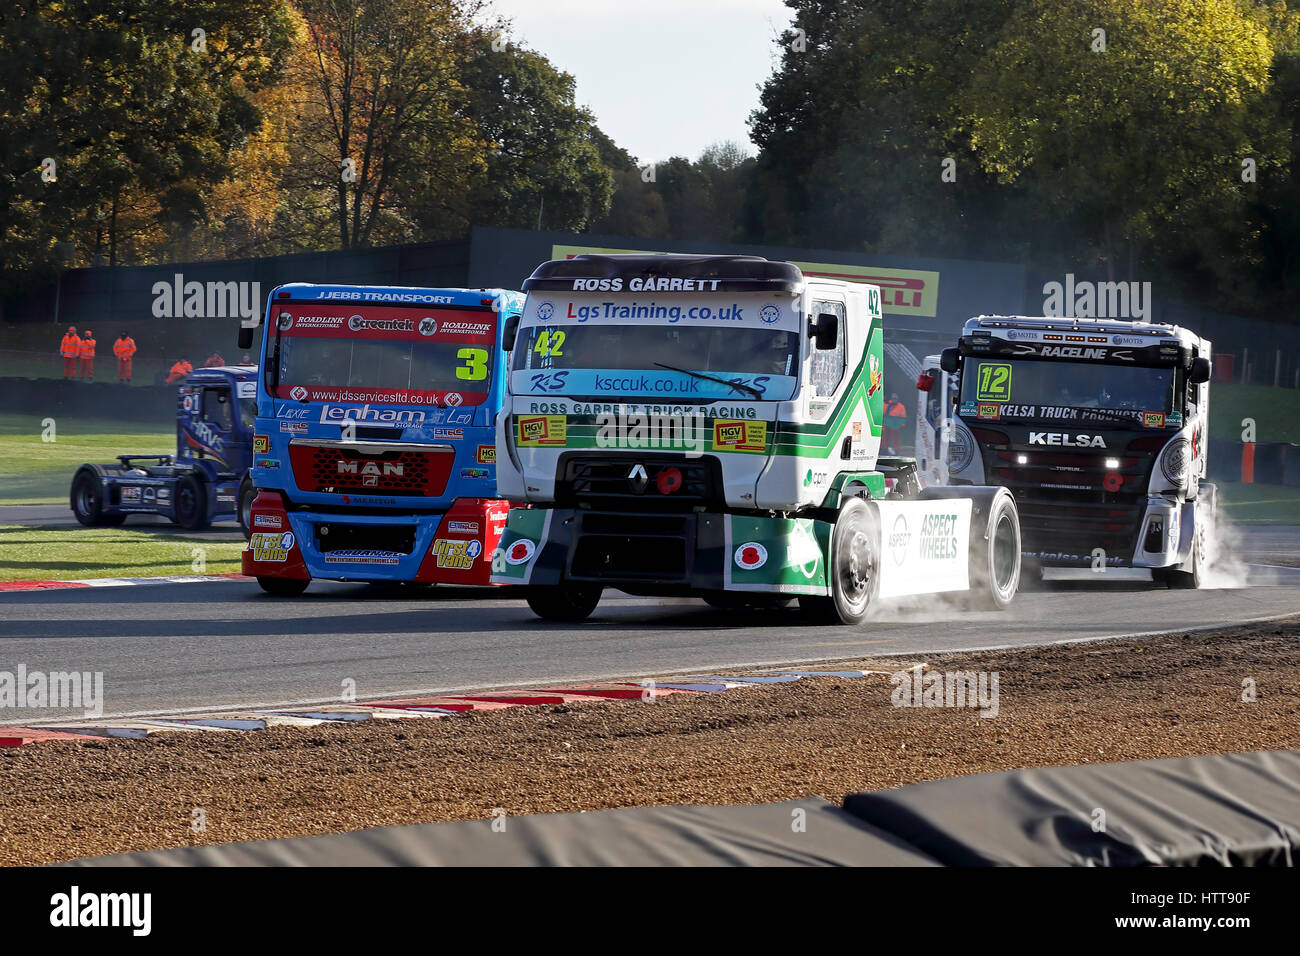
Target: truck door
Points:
(825, 373)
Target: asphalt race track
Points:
(209, 645)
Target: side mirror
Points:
(826, 332)
(1200, 372)
(949, 359)
(510, 333)
(246, 336)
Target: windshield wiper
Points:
(738, 386)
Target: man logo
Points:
(428, 326)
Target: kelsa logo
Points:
(261, 444)
(486, 455)
(520, 552)
(751, 555)
(1066, 441)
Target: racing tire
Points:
(853, 566)
(567, 603)
(247, 493)
(283, 587)
(1177, 580)
(191, 504)
(87, 501)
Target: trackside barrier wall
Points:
(1225, 810)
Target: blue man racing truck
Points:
(374, 455)
(206, 480)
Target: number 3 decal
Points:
(475, 367)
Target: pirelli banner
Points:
(903, 291)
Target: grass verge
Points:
(36, 471)
(41, 554)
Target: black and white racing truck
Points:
(710, 426)
(1099, 429)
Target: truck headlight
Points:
(1173, 461)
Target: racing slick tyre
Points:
(994, 557)
(191, 504)
(566, 603)
(283, 587)
(87, 501)
(853, 567)
(246, 495)
(1186, 580)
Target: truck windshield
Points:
(1028, 389)
(398, 355)
(628, 360)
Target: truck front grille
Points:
(393, 472)
(639, 483)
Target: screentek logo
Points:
(1066, 441)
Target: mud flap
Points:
(272, 550)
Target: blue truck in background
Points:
(205, 480)
(374, 455)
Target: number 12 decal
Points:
(993, 383)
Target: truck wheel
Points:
(853, 567)
(567, 603)
(191, 504)
(283, 587)
(995, 555)
(87, 500)
(1187, 580)
(246, 495)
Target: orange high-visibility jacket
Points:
(897, 410)
(87, 347)
(70, 347)
(124, 348)
(179, 371)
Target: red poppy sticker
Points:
(751, 555)
(520, 551)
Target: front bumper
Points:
(669, 554)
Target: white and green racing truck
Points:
(709, 426)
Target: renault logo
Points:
(638, 477)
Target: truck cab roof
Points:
(675, 272)
(999, 325)
(380, 295)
